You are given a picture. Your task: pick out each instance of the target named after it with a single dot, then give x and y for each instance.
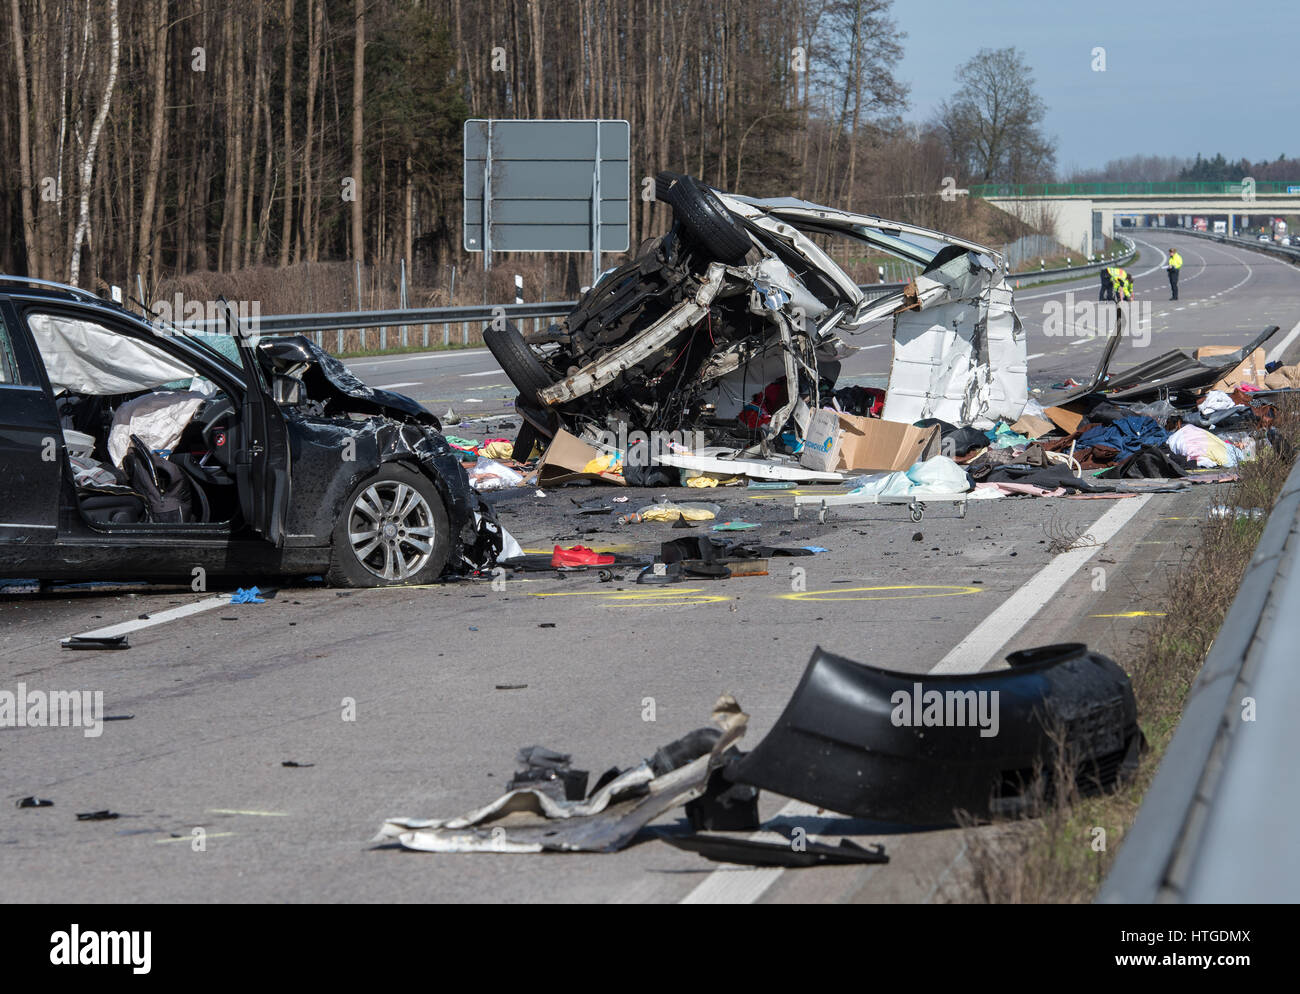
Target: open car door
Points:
(262, 457)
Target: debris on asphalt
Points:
(35, 802)
(550, 772)
(579, 555)
(294, 764)
(792, 854)
(921, 749)
(104, 815)
(95, 642)
(250, 596)
(530, 819)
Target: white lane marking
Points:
(745, 885)
(161, 618)
(1280, 348)
(422, 357)
(982, 644)
(1036, 355)
(488, 372)
(394, 386)
(863, 348)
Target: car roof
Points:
(31, 290)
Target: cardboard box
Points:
(1067, 418)
(1032, 426)
(1250, 370)
(566, 459)
(843, 442)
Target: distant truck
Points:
(1279, 229)
(1220, 227)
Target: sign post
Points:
(547, 186)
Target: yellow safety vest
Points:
(1175, 261)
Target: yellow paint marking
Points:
(777, 494)
(1131, 614)
(822, 595)
(666, 597)
(236, 811)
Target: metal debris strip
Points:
(530, 820)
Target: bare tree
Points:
(358, 118)
(993, 123)
(92, 146)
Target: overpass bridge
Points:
(1084, 213)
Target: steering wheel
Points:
(218, 416)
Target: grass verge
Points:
(1063, 855)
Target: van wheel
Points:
(705, 217)
(392, 530)
(518, 361)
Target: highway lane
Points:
(222, 699)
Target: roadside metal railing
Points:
(1173, 188)
(1252, 242)
(418, 327)
(1217, 822)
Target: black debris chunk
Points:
(95, 642)
(795, 854)
(549, 771)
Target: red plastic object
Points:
(580, 556)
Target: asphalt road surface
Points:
(392, 701)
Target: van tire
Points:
(704, 217)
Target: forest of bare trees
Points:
(164, 137)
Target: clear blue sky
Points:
(1181, 77)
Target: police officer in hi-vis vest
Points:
(1175, 263)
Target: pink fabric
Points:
(1021, 488)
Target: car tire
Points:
(703, 215)
(517, 361)
(392, 529)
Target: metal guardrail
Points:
(406, 321)
(1238, 241)
(1218, 821)
(1272, 187)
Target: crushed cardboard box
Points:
(844, 442)
(566, 460)
(1250, 370)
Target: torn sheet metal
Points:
(959, 350)
(918, 748)
(329, 382)
(1177, 370)
(533, 820)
